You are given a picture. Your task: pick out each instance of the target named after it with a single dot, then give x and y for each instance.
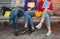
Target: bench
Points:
(34, 19)
(21, 19)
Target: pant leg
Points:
(20, 13)
(49, 12)
(15, 23)
(13, 17)
(30, 21)
(47, 20)
(13, 14)
(46, 17)
(28, 18)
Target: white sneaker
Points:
(48, 33)
(39, 26)
(25, 26)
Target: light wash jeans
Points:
(28, 19)
(46, 17)
(14, 17)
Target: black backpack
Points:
(4, 9)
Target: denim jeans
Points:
(46, 17)
(14, 17)
(28, 19)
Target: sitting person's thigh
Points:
(49, 12)
(20, 13)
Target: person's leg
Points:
(31, 22)
(31, 25)
(15, 24)
(20, 13)
(45, 17)
(47, 20)
(26, 19)
(42, 20)
(12, 15)
(26, 22)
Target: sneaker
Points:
(48, 33)
(24, 30)
(39, 26)
(16, 34)
(30, 32)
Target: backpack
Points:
(4, 9)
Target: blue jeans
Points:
(14, 17)
(28, 19)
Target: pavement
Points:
(6, 32)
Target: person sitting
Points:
(28, 14)
(46, 7)
(30, 5)
(14, 15)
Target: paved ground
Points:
(7, 33)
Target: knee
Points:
(12, 11)
(25, 13)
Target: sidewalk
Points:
(7, 33)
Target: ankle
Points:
(33, 28)
(25, 25)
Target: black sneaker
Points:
(31, 32)
(16, 34)
(25, 30)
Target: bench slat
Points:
(34, 19)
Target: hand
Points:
(46, 8)
(8, 21)
(17, 6)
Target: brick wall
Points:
(56, 4)
(56, 7)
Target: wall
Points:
(56, 4)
